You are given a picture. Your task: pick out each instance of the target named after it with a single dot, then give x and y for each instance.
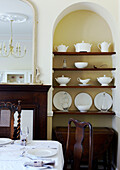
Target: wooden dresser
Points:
(104, 143)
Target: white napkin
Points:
(40, 163)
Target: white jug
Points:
(61, 48)
(103, 46)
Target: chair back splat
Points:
(7, 110)
(78, 149)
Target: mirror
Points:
(17, 69)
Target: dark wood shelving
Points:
(84, 53)
(94, 112)
(84, 86)
(84, 69)
(77, 112)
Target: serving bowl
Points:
(83, 108)
(104, 81)
(63, 80)
(81, 64)
(86, 47)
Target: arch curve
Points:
(91, 7)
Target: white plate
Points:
(84, 84)
(60, 98)
(83, 99)
(41, 152)
(103, 99)
(4, 141)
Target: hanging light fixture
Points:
(11, 50)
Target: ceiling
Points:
(16, 6)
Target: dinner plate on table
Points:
(41, 152)
(5, 141)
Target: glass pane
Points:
(5, 118)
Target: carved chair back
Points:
(78, 146)
(7, 110)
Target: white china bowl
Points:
(104, 81)
(83, 108)
(81, 64)
(63, 80)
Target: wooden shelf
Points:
(84, 113)
(88, 113)
(84, 86)
(84, 69)
(84, 53)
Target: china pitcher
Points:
(104, 46)
(61, 48)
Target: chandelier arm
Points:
(18, 56)
(11, 30)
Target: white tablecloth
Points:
(10, 155)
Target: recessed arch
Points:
(91, 7)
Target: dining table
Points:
(14, 156)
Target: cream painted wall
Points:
(47, 13)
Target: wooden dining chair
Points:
(73, 161)
(7, 110)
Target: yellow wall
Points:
(82, 25)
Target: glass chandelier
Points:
(11, 50)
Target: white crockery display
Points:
(83, 100)
(103, 99)
(104, 81)
(59, 98)
(61, 48)
(86, 47)
(104, 46)
(63, 80)
(85, 81)
(81, 64)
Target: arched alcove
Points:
(91, 23)
(82, 25)
(101, 11)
